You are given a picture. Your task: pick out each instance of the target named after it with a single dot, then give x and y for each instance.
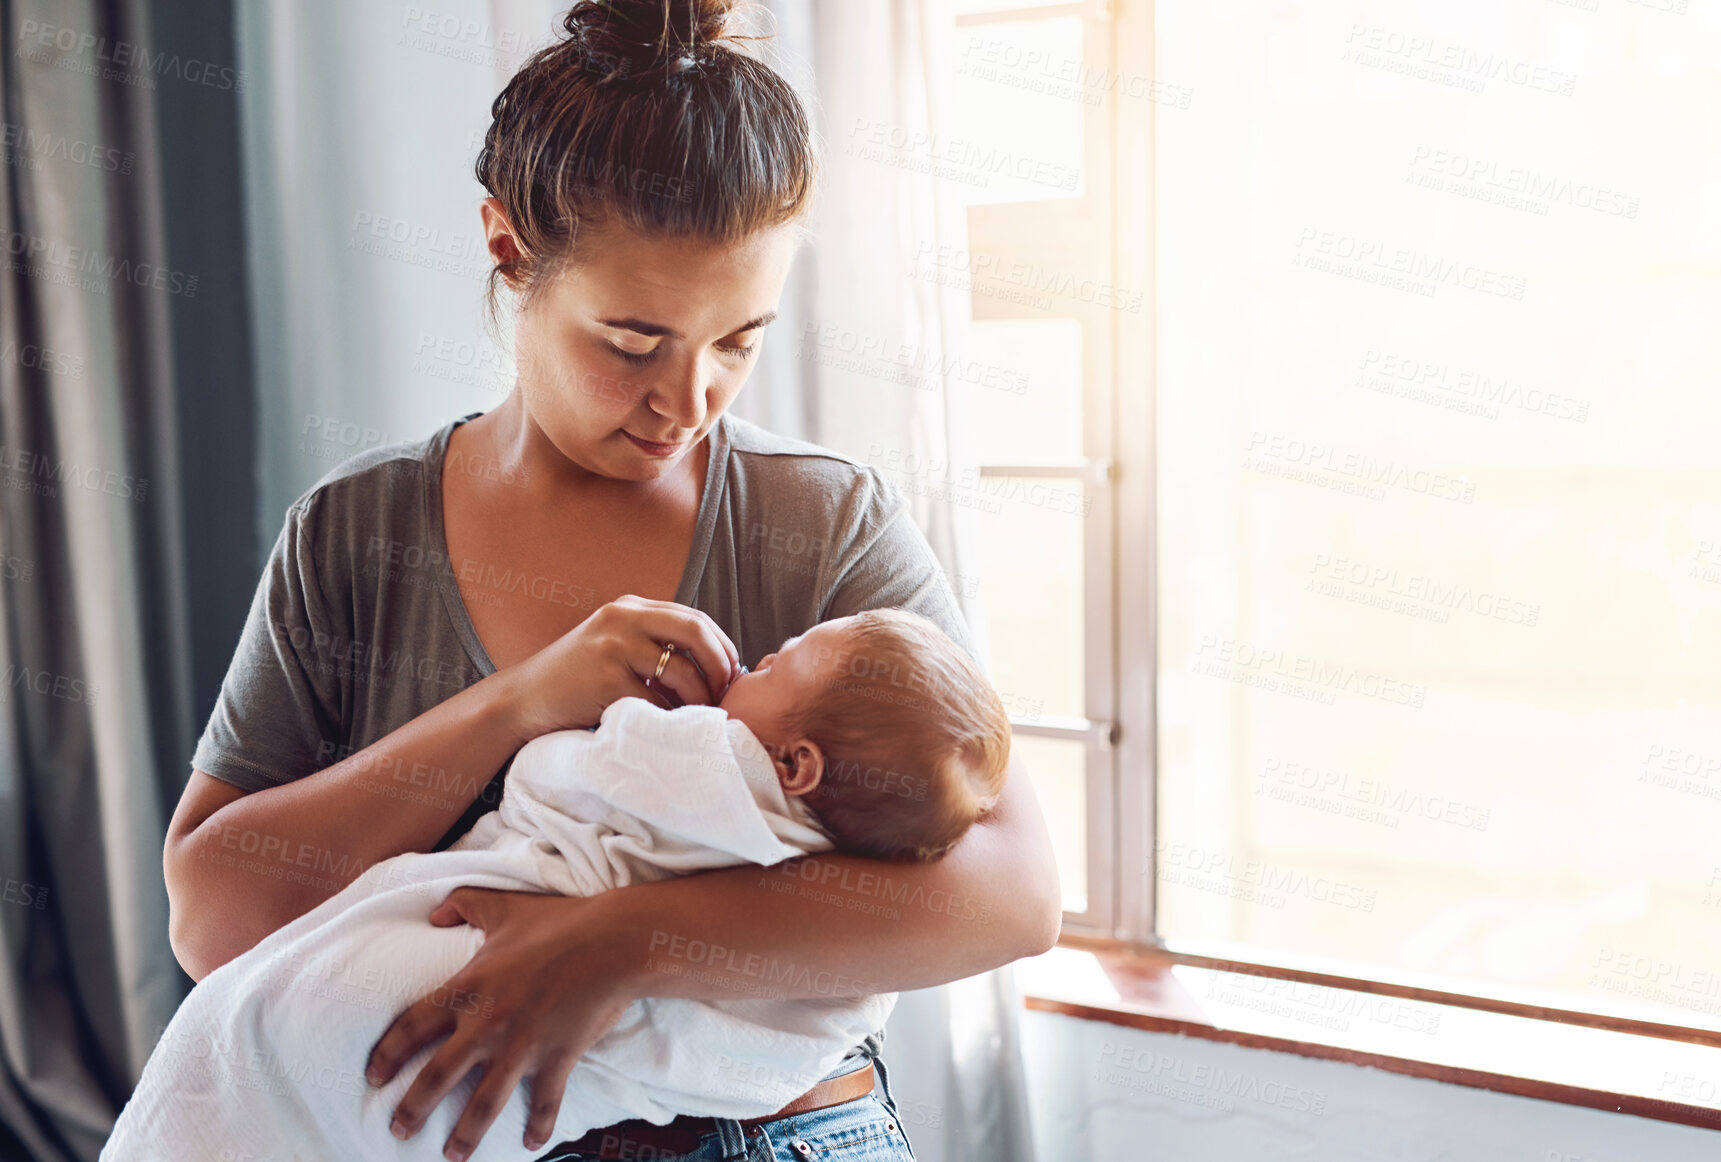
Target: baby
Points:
(873, 735)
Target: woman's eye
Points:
(739, 352)
(638, 359)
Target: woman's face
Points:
(628, 359)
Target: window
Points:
(1032, 113)
(1387, 640)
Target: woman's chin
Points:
(641, 470)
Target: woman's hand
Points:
(549, 989)
(614, 654)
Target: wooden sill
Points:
(1533, 1056)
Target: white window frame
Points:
(1101, 234)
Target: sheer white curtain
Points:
(954, 1052)
(361, 125)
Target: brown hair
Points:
(647, 114)
(916, 741)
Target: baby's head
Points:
(891, 733)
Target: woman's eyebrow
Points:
(643, 327)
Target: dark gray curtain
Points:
(126, 544)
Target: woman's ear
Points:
(504, 247)
(800, 766)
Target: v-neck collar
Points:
(705, 524)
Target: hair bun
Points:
(630, 37)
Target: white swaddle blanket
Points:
(264, 1062)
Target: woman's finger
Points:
(421, 1023)
(710, 649)
(549, 1083)
(453, 1061)
(501, 1074)
(682, 679)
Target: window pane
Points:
(1017, 133)
(1033, 410)
(1030, 536)
(1059, 768)
(1440, 557)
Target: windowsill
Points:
(1604, 1069)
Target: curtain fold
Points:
(101, 669)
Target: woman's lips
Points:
(651, 448)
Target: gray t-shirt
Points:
(358, 626)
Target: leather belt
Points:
(637, 1139)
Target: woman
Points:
(605, 532)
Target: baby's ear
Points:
(801, 767)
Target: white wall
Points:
(1101, 1091)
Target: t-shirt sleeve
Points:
(892, 566)
(278, 716)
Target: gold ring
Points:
(668, 648)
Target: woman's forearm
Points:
(834, 925)
(268, 857)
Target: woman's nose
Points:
(682, 401)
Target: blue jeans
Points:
(864, 1130)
